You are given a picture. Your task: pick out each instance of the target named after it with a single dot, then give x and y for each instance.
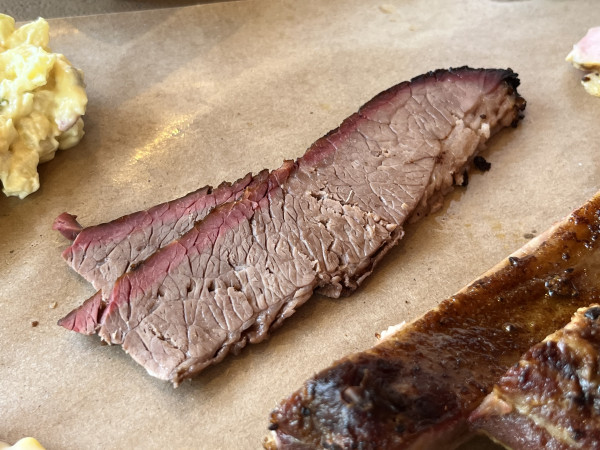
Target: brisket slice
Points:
(102, 253)
(319, 223)
(417, 387)
(551, 397)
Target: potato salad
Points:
(27, 443)
(42, 99)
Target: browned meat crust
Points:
(551, 397)
(417, 387)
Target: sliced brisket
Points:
(102, 253)
(551, 397)
(321, 222)
(418, 386)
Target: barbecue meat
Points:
(417, 387)
(319, 223)
(102, 253)
(551, 397)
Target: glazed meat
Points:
(418, 386)
(102, 253)
(319, 223)
(551, 397)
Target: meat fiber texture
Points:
(102, 253)
(319, 223)
(550, 398)
(418, 386)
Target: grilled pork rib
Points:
(319, 223)
(417, 387)
(551, 397)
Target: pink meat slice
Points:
(586, 53)
(320, 223)
(102, 253)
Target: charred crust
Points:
(507, 76)
(577, 434)
(560, 286)
(481, 164)
(372, 404)
(592, 313)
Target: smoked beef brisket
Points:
(319, 223)
(102, 253)
(418, 386)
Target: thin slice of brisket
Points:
(102, 253)
(319, 223)
(418, 386)
(551, 397)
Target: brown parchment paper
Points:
(184, 97)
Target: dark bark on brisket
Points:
(320, 223)
(417, 388)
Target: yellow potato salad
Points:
(27, 443)
(42, 99)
